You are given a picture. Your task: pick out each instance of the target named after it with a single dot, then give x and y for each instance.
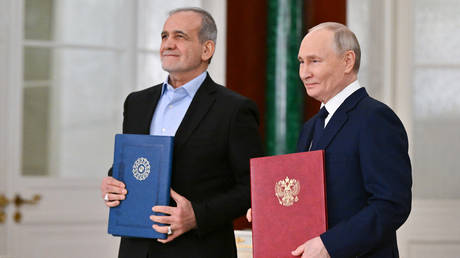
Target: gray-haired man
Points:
(216, 133)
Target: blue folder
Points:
(143, 163)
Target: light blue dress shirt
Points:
(173, 105)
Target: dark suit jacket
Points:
(212, 147)
(368, 177)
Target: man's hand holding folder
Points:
(312, 248)
(180, 219)
(113, 191)
(288, 205)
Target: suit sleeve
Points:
(243, 143)
(386, 173)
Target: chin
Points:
(310, 92)
(168, 68)
(314, 95)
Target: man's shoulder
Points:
(146, 91)
(230, 94)
(226, 95)
(374, 112)
(371, 105)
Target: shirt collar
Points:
(334, 103)
(191, 87)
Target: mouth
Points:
(310, 84)
(169, 54)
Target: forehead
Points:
(183, 21)
(317, 43)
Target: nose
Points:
(167, 43)
(304, 72)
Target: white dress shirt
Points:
(334, 103)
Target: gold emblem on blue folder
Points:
(141, 169)
(287, 190)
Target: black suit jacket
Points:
(212, 147)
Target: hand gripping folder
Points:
(143, 163)
(288, 195)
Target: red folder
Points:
(288, 202)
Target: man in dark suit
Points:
(216, 133)
(368, 171)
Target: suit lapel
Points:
(332, 128)
(340, 117)
(306, 135)
(200, 105)
(153, 94)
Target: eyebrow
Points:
(309, 57)
(312, 57)
(176, 32)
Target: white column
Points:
(218, 9)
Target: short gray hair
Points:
(208, 30)
(344, 40)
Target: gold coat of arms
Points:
(286, 191)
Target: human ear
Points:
(208, 50)
(349, 59)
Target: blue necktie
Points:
(319, 127)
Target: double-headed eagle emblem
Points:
(286, 191)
